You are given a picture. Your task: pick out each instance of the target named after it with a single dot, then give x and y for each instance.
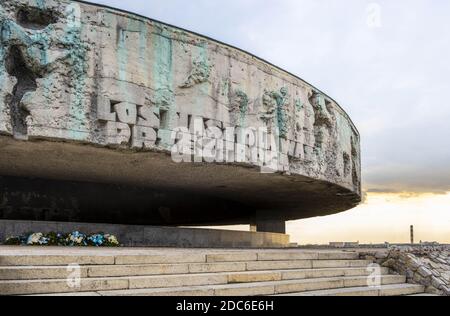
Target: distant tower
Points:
(412, 235)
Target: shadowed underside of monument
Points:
(165, 193)
(92, 98)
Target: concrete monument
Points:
(110, 117)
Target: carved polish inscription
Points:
(129, 124)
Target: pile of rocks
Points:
(428, 266)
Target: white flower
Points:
(112, 239)
(76, 240)
(34, 239)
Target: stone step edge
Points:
(193, 275)
(284, 273)
(90, 264)
(167, 259)
(205, 289)
(338, 282)
(212, 290)
(353, 291)
(190, 267)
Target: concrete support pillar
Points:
(271, 226)
(263, 223)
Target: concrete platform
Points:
(152, 236)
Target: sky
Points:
(387, 64)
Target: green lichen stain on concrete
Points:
(282, 116)
(40, 4)
(299, 105)
(73, 53)
(77, 60)
(243, 107)
(36, 46)
(163, 71)
(202, 73)
(41, 41)
(225, 87)
(320, 101)
(345, 132)
(2, 49)
(163, 81)
(204, 66)
(2, 79)
(143, 38)
(123, 57)
(122, 54)
(2, 57)
(2, 52)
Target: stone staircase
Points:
(197, 273)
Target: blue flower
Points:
(57, 239)
(44, 241)
(97, 240)
(77, 239)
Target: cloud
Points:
(392, 80)
(399, 194)
(411, 176)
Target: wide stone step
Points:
(64, 260)
(192, 257)
(49, 260)
(18, 287)
(305, 264)
(384, 290)
(286, 278)
(328, 268)
(255, 289)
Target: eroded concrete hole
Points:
(26, 82)
(35, 19)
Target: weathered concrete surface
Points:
(153, 236)
(94, 95)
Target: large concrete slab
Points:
(217, 267)
(390, 290)
(340, 263)
(274, 265)
(176, 281)
(60, 286)
(54, 260)
(35, 273)
(136, 270)
(183, 291)
(232, 257)
(328, 273)
(267, 289)
(155, 259)
(248, 277)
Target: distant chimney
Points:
(412, 235)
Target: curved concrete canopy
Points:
(93, 101)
